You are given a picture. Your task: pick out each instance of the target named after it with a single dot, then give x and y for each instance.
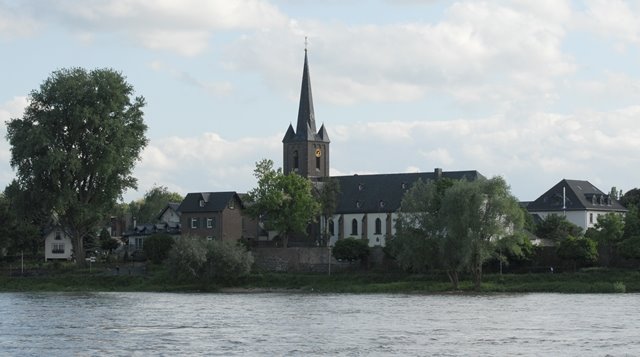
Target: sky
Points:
(533, 91)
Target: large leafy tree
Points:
(155, 200)
(579, 250)
(479, 215)
(286, 202)
(420, 242)
(607, 232)
(631, 198)
(76, 145)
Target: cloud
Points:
(8, 110)
(184, 27)
(15, 24)
(214, 88)
(494, 55)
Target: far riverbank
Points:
(157, 279)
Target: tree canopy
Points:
(456, 225)
(75, 147)
(557, 228)
(147, 209)
(286, 202)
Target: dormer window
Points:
(358, 204)
(360, 187)
(403, 186)
(593, 199)
(201, 203)
(381, 204)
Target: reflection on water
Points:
(140, 324)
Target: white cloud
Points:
(214, 88)
(8, 110)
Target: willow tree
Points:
(75, 147)
(478, 216)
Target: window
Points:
(295, 160)
(403, 186)
(331, 226)
(209, 238)
(58, 236)
(590, 217)
(211, 222)
(57, 248)
(139, 242)
(201, 203)
(378, 226)
(354, 227)
(360, 187)
(318, 163)
(358, 204)
(232, 204)
(381, 204)
(194, 223)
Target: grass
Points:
(156, 278)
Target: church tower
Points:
(305, 151)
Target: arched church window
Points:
(378, 226)
(295, 160)
(331, 227)
(354, 227)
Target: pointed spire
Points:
(306, 126)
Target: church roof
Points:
(306, 124)
(575, 195)
(383, 192)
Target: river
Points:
(291, 324)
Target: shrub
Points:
(157, 247)
(227, 261)
(350, 249)
(187, 258)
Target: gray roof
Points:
(306, 125)
(171, 205)
(383, 193)
(212, 201)
(578, 196)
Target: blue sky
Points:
(534, 91)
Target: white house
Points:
(57, 245)
(579, 201)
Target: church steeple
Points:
(306, 127)
(306, 151)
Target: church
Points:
(367, 205)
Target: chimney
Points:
(437, 173)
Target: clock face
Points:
(318, 152)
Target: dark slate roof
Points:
(213, 201)
(578, 196)
(383, 193)
(306, 125)
(171, 205)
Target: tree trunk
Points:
(78, 249)
(285, 240)
(477, 276)
(453, 278)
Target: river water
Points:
(290, 324)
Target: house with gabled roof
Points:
(579, 201)
(214, 216)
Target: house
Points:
(170, 214)
(57, 244)
(215, 216)
(579, 201)
(168, 223)
(368, 205)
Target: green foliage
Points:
(18, 231)
(557, 228)
(478, 214)
(631, 198)
(155, 200)
(579, 250)
(286, 201)
(227, 261)
(350, 249)
(420, 241)
(107, 243)
(76, 145)
(328, 198)
(187, 258)
(157, 247)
